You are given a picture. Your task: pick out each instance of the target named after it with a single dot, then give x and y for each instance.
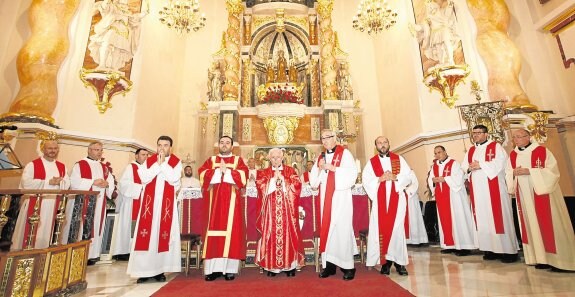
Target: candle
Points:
(358, 164)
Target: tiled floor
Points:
(430, 274)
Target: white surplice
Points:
(397, 250)
(190, 182)
(417, 232)
(488, 239)
(128, 191)
(150, 263)
(84, 184)
(341, 245)
(44, 227)
(543, 181)
(463, 226)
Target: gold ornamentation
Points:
(106, 84)
(232, 54)
(280, 129)
(259, 21)
(33, 221)
(215, 118)
(538, 129)
(356, 119)
(327, 50)
(315, 128)
(374, 16)
(4, 205)
(324, 8)
(246, 82)
(315, 83)
(56, 273)
(247, 29)
(247, 129)
(60, 220)
(7, 270)
(228, 124)
(183, 16)
(204, 124)
(77, 264)
(23, 277)
(234, 7)
(489, 114)
(476, 90)
(444, 79)
(280, 20)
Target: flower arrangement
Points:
(281, 94)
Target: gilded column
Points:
(315, 83)
(246, 82)
(500, 54)
(39, 60)
(312, 35)
(327, 51)
(232, 56)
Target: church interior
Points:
(275, 74)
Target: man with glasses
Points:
(490, 203)
(546, 230)
(334, 173)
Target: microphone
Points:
(324, 160)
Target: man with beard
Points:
(456, 226)
(491, 206)
(128, 205)
(43, 173)
(188, 180)
(385, 177)
(546, 230)
(222, 177)
(280, 246)
(157, 247)
(335, 173)
(90, 174)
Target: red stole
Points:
(494, 193)
(542, 203)
(147, 213)
(443, 198)
(329, 190)
(86, 173)
(386, 214)
(136, 200)
(40, 173)
(306, 177)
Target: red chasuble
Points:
(147, 213)
(136, 200)
(86, 173)
(40, 173)
(329, 190)
(278, 221)
(494, 192)
(541, 202)
(386, 214)
(225, 232)
(443, 198)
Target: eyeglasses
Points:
(477, 133)
(327, 137)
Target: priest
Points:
(46, 173)
(279, 248)
(223, 177)
(415, 232)
(90, 174)
(456, 225)
(385, 178)
(128, 206)
(546, 230)
(491, 206)
(335, 173)
(156, 248)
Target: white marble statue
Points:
(215, 82)
(438, 36)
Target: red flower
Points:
(279, 94)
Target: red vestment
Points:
(277, 220)
(225, 234)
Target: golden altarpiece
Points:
(279, 78)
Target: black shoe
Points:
(385, 269)
(462, 253)
(349, 274)
(490, 256)
(328, 271)
(555, 269)
(400, 269)
(271, 274)
(447, 251)
(92, 261)
(160, 277)
(542, 266)
(213, 276)
(290, 273)
(230, 276)
(124, 257)
(509, 258)
(142, 280)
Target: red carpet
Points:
(305, 283)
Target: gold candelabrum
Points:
(444, 79)
(60, 220)
(33, 221)
(4, 205)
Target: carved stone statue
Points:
(344, 83)
(215, 82)
(439, 38)
(282, 67)
(116, 35)
(292, 73)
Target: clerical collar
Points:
(279, 168)
(441, 162)
(383, 156)
(523, 148)
(482, 143)
(332, 150)
(92, 159)
(139, 163)
(226, 156)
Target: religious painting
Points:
(436, 31)
(489, 114)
